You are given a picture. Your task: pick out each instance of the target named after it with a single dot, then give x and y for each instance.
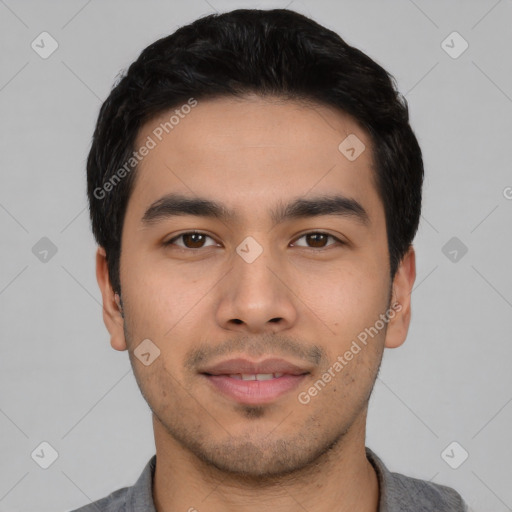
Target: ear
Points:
(403, 281)
(112, 317)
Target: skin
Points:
(295, 299)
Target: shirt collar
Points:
(140, 495)
(387, 488)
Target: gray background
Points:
(61, 382)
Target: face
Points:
(275, 275)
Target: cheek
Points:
(356, 344)
(347, 297)
(141, 289)
(163, 300)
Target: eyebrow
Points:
(172, 205)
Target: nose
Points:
(256, 296)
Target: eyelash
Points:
(171, 241)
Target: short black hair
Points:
(276, 52)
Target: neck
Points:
(342, 479)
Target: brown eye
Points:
(191, 240)
(318, 240)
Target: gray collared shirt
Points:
(398, 493)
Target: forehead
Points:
(250, 153)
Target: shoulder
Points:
(130, 498)
(114, 502)
(424, 496)
(400, 493)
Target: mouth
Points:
(254, 383)
(256, 376)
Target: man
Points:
(255, 188)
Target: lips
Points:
(242, 366)
(254, 382)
